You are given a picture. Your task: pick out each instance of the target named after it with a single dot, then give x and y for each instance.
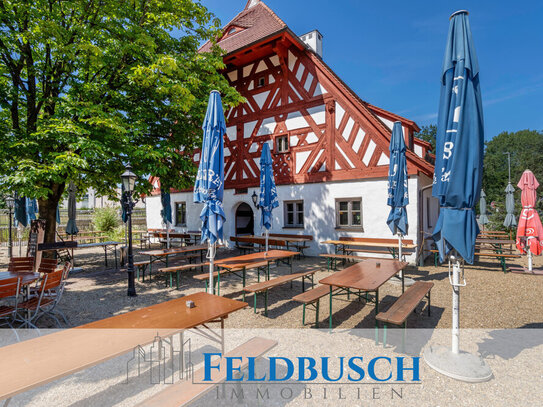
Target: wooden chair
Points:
(45, 302)
(21, 264)
(9, 289)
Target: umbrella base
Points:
(461, 366)
(398, 281)
(524, 270)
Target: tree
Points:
(428, 133)
(525, 147)
(87, 86)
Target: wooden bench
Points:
(312, 298)
(217, 274)
(264, 286)
(331, 259)
(170, 271)
(392, 249)
(141, 266)
(500, 256)
(300, 246)
(407, 303)
(194, 387)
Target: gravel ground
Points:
(492, 305)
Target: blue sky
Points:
(390, 53)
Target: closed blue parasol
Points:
(209, 186)
(166, 213)
(457, 184)
(268, 191)
(510, 218)
(71, 226)
(398, 196)
(483, 217)
(19, 212)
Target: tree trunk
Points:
(48, 211)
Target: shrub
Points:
(106, 219)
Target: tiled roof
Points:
(254, 23)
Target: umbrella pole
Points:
(211, 257)
(400, 257)
(530, 261)
(167, 235)
(267, 234)
(455, 305)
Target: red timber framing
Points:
(333, 135)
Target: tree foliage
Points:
(88, 85)
(526, 148)
(428, 133)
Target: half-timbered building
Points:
(330, 147)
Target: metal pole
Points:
(530, 262)
(10, 241)
(211, 266)
(130, 266)
(267, 234)
(455, 304)
(167, 235)
(400, 252)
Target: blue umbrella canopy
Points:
(510, 218)
(166, 211)
(25, 210)
(483, 218)
(459, 144)
(19, 211)
(71, 226)
(209, 186)
(268, 191)
(398, 196)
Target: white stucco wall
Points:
(319, 210)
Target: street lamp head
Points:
(10, 202)
(128, 179)
(255, 199)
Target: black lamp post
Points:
(128, 180)
(255, 200)
(10, 202)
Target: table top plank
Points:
(97, 244)
(368, 275)
(495, 241)
(38, 361)
(367, 244)
(249, 259)
(176, 250)
(26, 277)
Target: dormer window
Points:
(232, 30)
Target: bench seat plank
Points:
(181, 267)
(408, 301)
(188, 391)
(313, 295)
(274, 282)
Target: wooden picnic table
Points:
(347, 246)
(367, 276)
(163, 254)
(104, 245)
(272, 240)
(236, 264)
(26, 277)
(35, 362)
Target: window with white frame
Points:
(294, 214)
(281, 144)
(349, 213)
(180, 214)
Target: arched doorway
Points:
(245, 220)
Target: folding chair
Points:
(9, 289)
(21, 264)
(49, 294)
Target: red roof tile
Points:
(256, 22)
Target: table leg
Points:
(330, 318)
(243, 278)
(376, 312)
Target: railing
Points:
(83, 219)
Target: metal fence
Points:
(84, 223)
